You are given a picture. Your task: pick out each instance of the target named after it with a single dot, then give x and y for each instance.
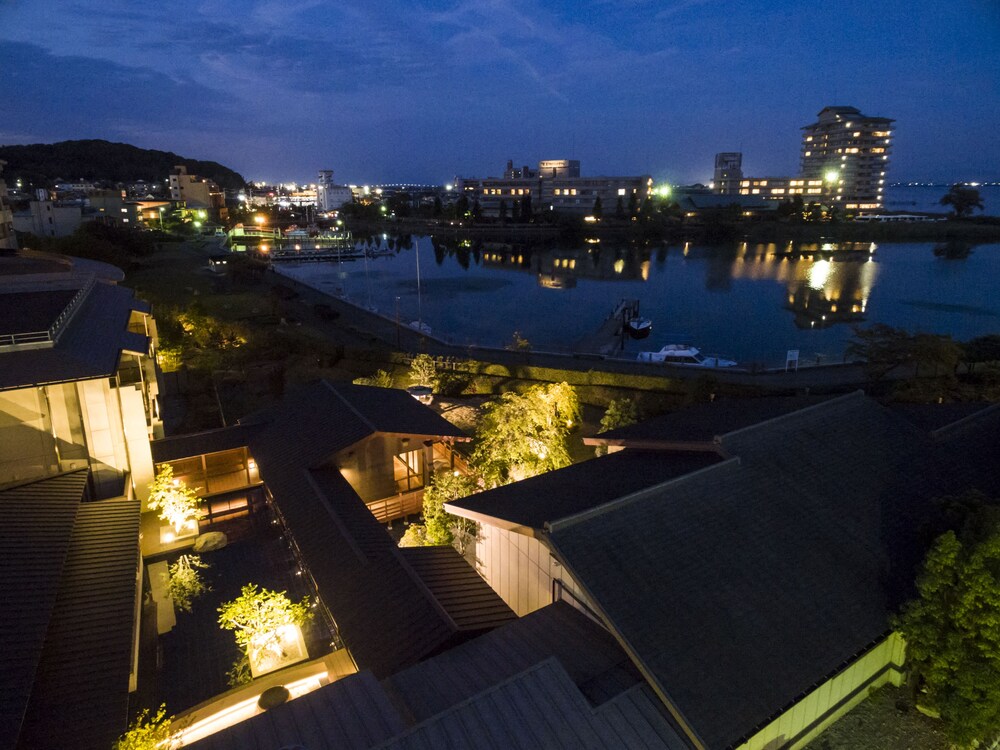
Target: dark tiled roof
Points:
(36, 525)
(83, 677)
(588, 652)
(528, 684)
(355, 411)
(89, 347)
(351, 714)
(703, 422)
(537, 708)
(558, 494)
(777, 567)
(386, 614)
(210, 441)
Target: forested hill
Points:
(42, 164)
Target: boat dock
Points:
(610, 337)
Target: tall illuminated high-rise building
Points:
(849, 151)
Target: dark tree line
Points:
(42, 164)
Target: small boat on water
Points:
(639, 328)
(684, 355)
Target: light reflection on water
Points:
(747, 302)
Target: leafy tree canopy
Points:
(620, 412)
(423, 371)
(257, 615)
(440, 527)
(885, 348)
(178, 504)
(521, 435)
(44, 164)
(148, 732)
(953, 641)
(186, 582)
(380, 379)
(962, 199)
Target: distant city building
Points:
(849, 152)
(329, 195)
(555, 186)
(48, 218)
(7, 239)
(559, 168)
(728, 172)
(845, 155)
(782, 188)
(194, 191)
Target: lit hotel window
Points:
(621, 191)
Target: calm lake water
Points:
(751, 303)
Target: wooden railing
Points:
(397, 506)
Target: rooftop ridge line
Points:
(348, 537)
(349, 405)
(964, 421)
(563, 523)
(812, 407)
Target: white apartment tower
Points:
(849, 152)
(329, 195)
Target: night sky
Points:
(403, 90)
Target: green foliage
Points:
(186, 583)
(518, 343)
(94, 240)
(520, 436)
(148, 732)
(239, 673)
(962, 199)
(381, 379)
(257, 614)
(884, 348)
(423, 371)
(952, 635)
(983, 349)
(620, 412)
(598, 209)
(97, 160)
(440, 527)
(178, 504)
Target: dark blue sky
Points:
(404, 90)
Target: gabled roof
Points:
(198, 443)
(702, 423)
(36, 525)
(590, 655)
(388, 616)
(552, 679)
(337, 415)
(68, 572)
(83, 677)
(531, 503)
(776, 567)
(350, 714)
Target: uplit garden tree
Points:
(178, 504)
(381, 379)
(259, 618)
(186, 581)
(521, 435)
(951, 632)
(423, 371)
(148, 732)
(440, 527)
(620, 413)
